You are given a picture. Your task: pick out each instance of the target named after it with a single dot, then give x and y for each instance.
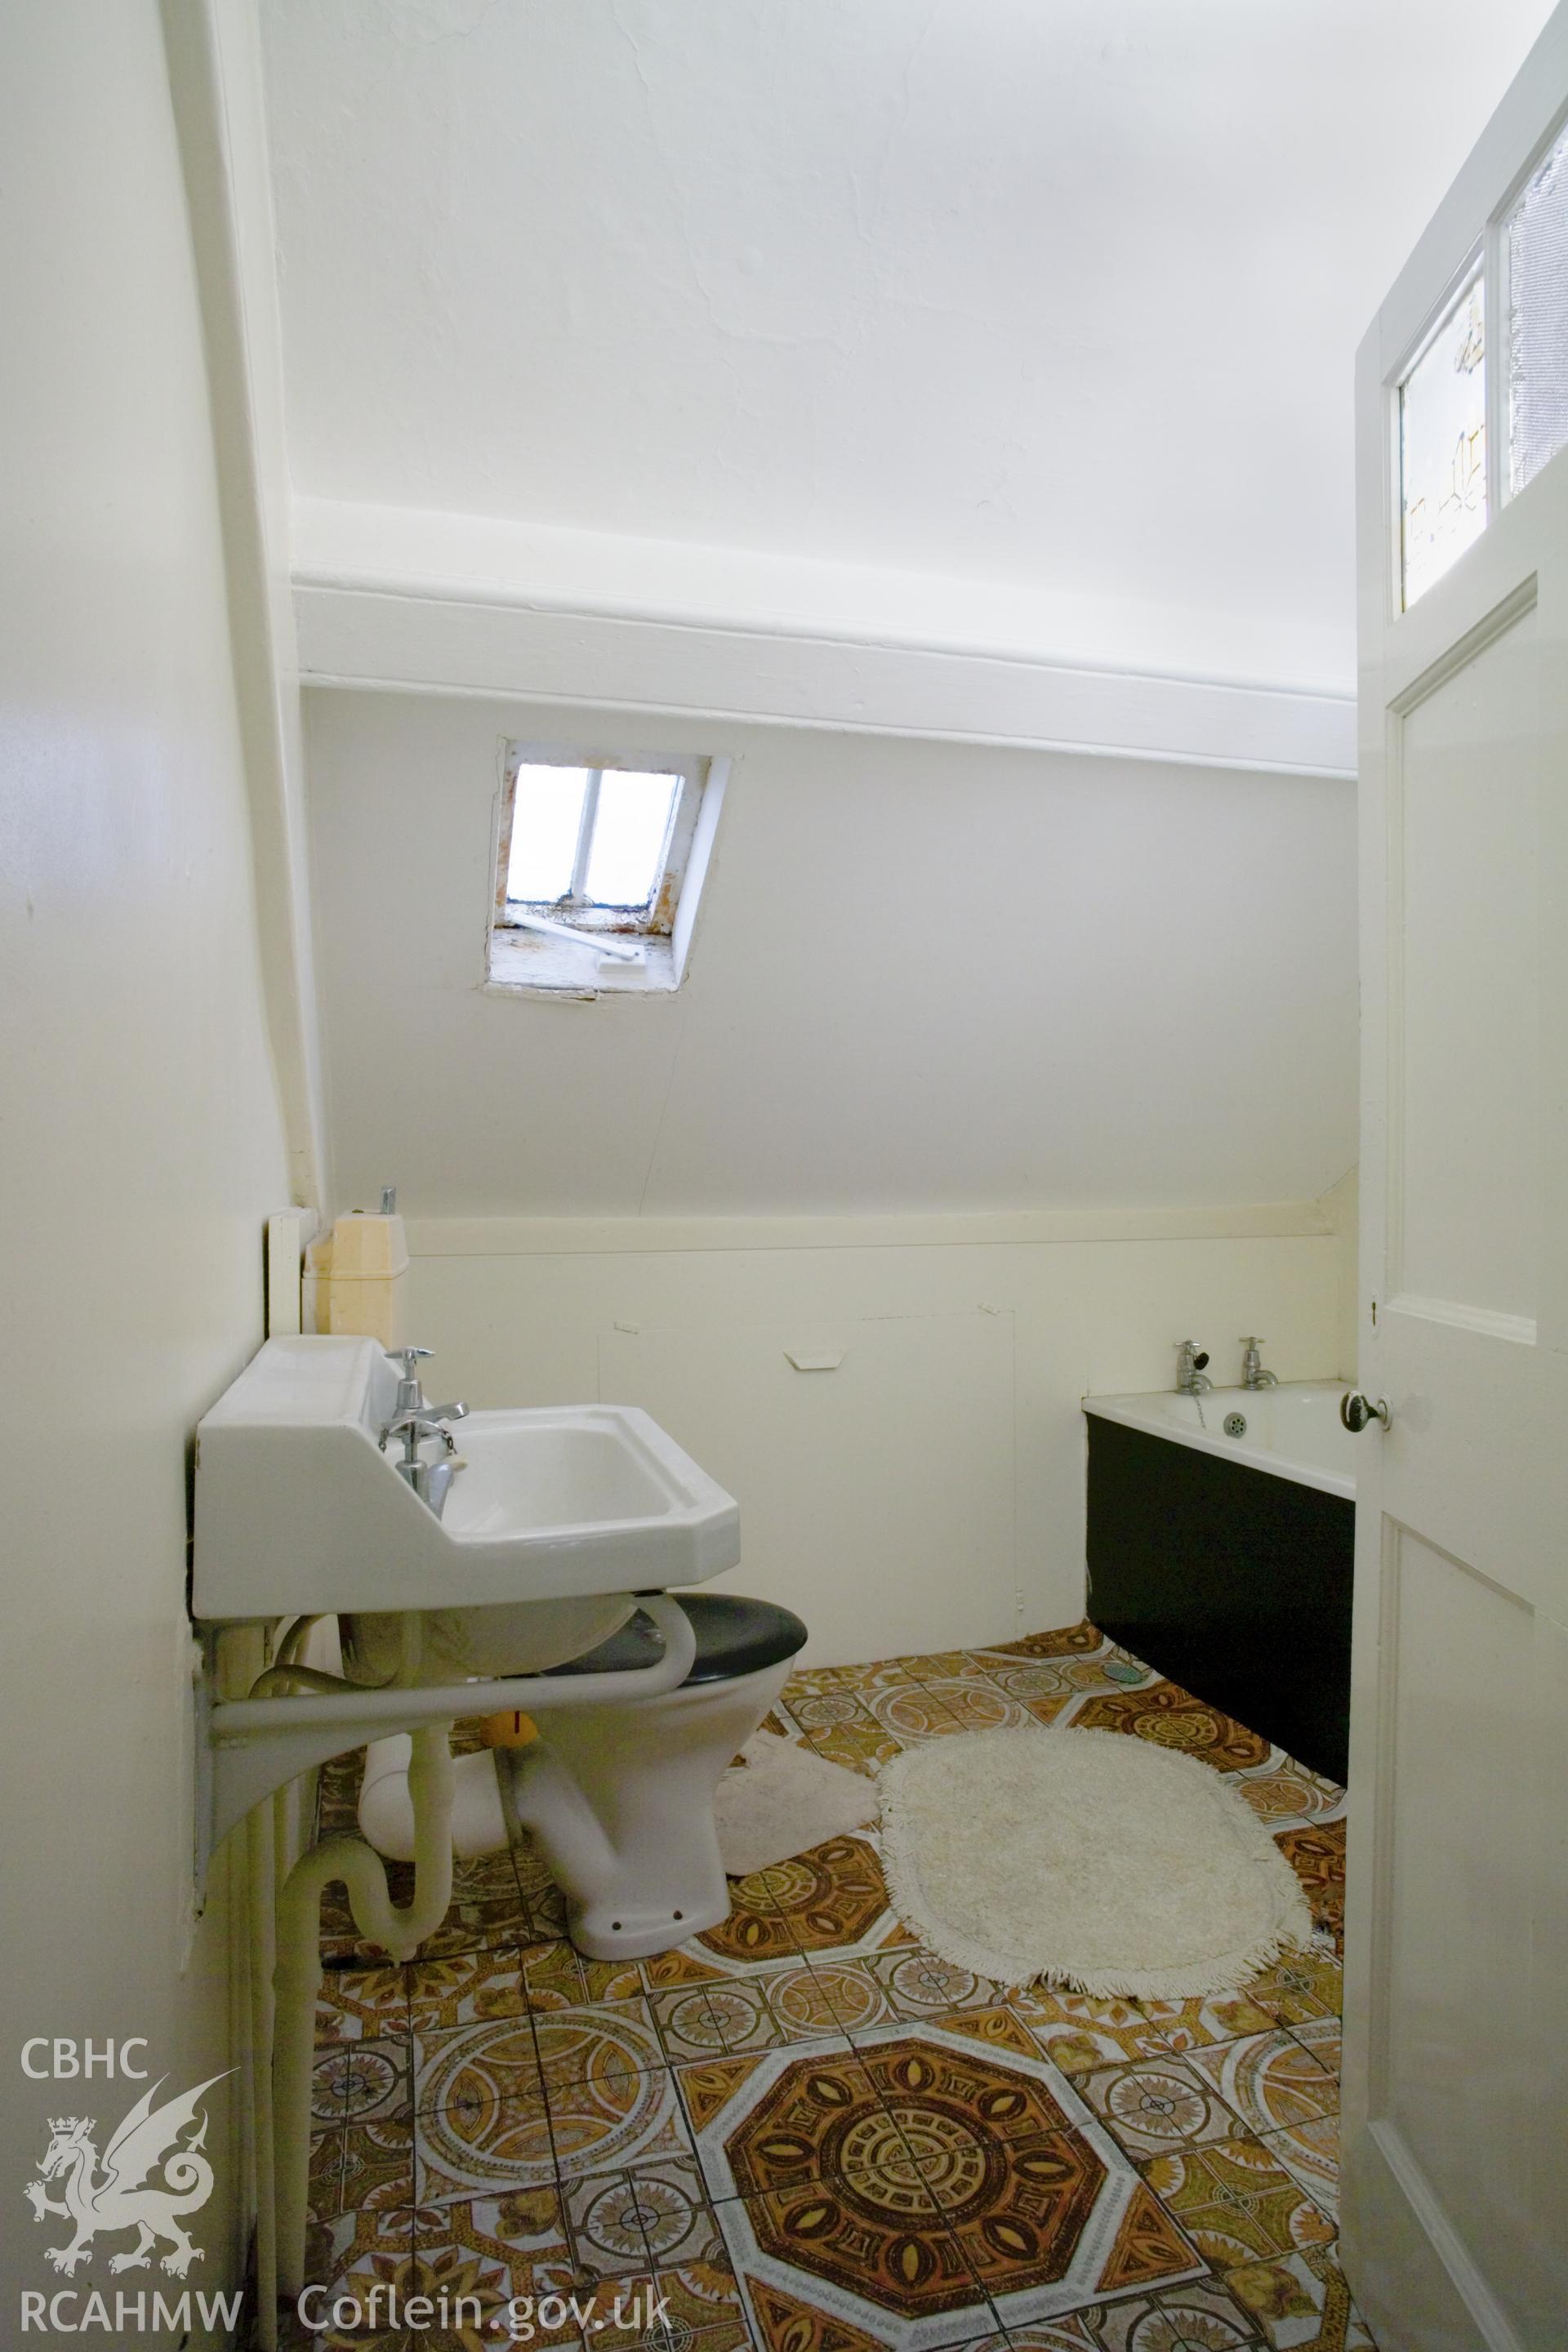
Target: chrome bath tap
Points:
(1191, 1377)
(1253, 1375)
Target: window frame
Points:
(604, 952)
(655, 920)
(1485, 262)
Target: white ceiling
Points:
(1060, 295)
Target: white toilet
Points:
(619, 1796)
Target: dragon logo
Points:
(123, 2196)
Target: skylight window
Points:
(596, 856)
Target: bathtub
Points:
(1220, 1541)
(1293, 1431)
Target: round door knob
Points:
(1356, 1411)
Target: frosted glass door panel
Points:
(1443, 446)
(1537, 248)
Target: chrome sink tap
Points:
(410, 1395)
(1253, 1375)
(416, 1422)
(1191, 1377)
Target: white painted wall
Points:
(925, 976)
(929, 1491)
(1071, 1016)
(1341, 1205)
(1025, 321)
(142, 1133)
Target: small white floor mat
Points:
(1100, 1862)
(783, 1799)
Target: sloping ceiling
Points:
(1060, 294)
(925, 977)
(1033, 307)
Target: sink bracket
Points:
(248, 1747)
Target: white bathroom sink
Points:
(297, 1507)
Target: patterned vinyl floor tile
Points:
(616, 2122)
(1222, 2017)
(605, 2216)
(1157, 2105)
(912, 1712)
(1236, 2201)
(483, 2150)
(488, 1907)
(1298, 1987)
(472, 2067)
(357, 2253)
(801, 2131)
(1047, 2209)
(679, 2225)
(1201, 2316)
(374, 2081)
(1310, 2152)
(772, 2009)
(1268, 2080)
(1316, 1852)
(1323, 2038)
(705, 2297)
(556, 1976)
(1300, 2303)
(914, 1983)
(465, 1987)
(513, 2245)
(364, 2167)
(1079, 2035)
(1173, 1718)
(831, 2264)
(859, 1746)
(828, 1709)
(362, 2005)
(1083, 1639)
(768, 2120)
(975, 1703)
(1283, 1793)
(1024, 1678)
(1066, 2334)
(687, 2023)
(597, 2043)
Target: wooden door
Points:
(1455, 2196)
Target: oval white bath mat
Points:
(1094, 1859)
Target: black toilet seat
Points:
(734, 1637)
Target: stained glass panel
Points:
(1443, 446)
(1536, 241)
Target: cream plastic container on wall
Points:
(356, 1278)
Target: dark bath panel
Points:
(1233, 1581)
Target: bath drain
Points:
(1236, 1425)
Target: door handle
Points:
(1356, 1411)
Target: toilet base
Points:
(619, 1798)
(621, 1801)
